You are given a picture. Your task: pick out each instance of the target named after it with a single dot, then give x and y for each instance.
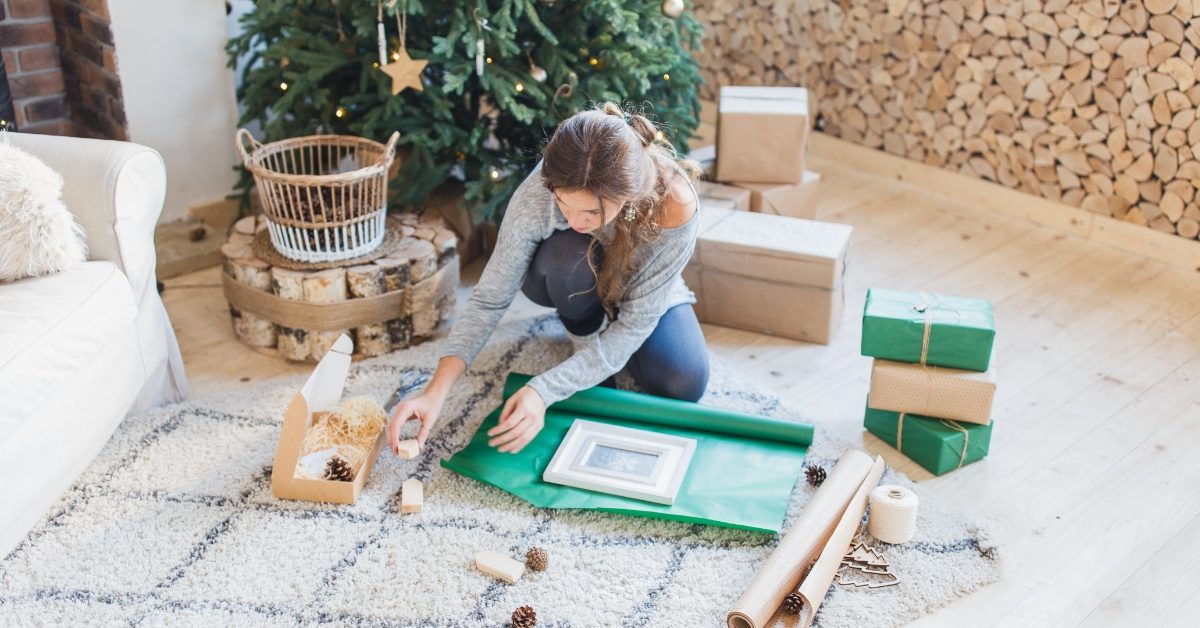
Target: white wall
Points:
(178, 92)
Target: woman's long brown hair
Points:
(616, 155)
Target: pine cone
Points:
(815, 474)
(793, 603)
(338, 469)
(524, 617)
(537, 559)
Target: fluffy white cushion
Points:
(37, 234)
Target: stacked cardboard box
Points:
(767, 254)
(933, 377)
(769, 274)
(762, 146)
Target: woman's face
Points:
(584, 210)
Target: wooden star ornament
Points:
(405, 72)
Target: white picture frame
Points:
(639, 464)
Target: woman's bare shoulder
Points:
(679, 203)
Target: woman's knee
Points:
(560, 276)
(683, 381)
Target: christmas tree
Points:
(499, 77)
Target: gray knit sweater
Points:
(655, 286)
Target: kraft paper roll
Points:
(820, 577)
(781, 572)
(893, 514)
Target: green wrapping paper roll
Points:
(741, 474)
(961, 330)
(630, 406)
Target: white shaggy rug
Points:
(174, 523)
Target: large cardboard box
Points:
(762, 134)
(769, 274)
(798, 200)
(319, 395)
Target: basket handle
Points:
(240, 140)
(389, 150)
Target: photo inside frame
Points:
(638, 465)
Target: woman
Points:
(600, 231)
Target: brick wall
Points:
(35, 76)
(90, 62)
(62, 68)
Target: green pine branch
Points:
(325, 52)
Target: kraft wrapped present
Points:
(939, 445)
(798, 200)
(928, 328)
(948, 393)
(724, 195)
(769, 274)
(762, 134)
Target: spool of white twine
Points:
(893, 514)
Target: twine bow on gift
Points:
(928, 303)
(926, 308)
(962, 456)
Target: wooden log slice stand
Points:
(393, 302)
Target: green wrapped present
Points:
(928, 328)
(940, 445)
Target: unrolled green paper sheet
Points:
(741, 474)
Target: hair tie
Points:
(628, 118)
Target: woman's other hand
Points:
(523, 417)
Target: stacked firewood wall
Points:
(1093, 103)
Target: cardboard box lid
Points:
(785, 199)
(738, 196)
(776, 248)
(768, 100)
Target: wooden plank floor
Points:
(1092, 488)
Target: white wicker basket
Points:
(324, 196)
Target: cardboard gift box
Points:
(928, 328)
(724, 195)
(762, 134)
(798, 200)
(955, 394)
(319, 395)
(939, 445)
(769, 274)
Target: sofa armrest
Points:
(115, 190)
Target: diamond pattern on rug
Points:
(270, 557)
(182, 617)
(77, 610)
(174, 523)
(705, 572)
(195, 459)
(113, 543)
(587, 584)
(392, 575)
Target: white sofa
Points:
(81, 349)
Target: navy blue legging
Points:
(672, 362)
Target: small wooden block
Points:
(408, 449)
(499, 566)
(412, 496)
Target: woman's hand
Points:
(523, 417)
(425, 407)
